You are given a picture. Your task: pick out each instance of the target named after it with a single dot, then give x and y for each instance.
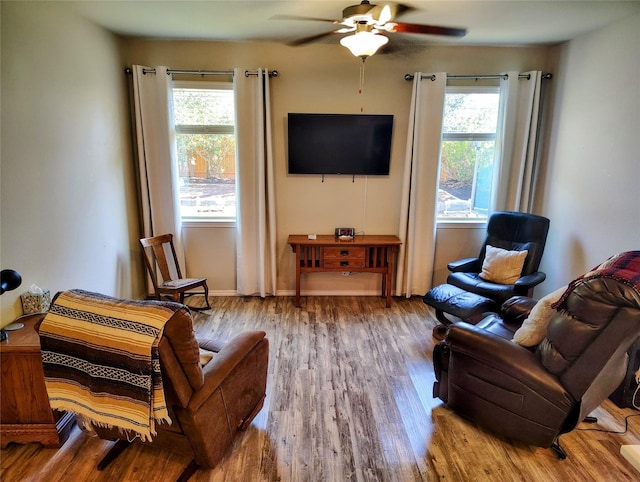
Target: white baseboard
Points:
(306, 293)
(330, 293)
(223, 293)
(632, 454)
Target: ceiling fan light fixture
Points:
(364, 44)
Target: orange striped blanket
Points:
(101, 361)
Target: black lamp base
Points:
(12, 327)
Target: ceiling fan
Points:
(366, 21)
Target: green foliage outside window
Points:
(204, 121)
(467, 153)
(214, 149)
(205, 142)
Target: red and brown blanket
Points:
(101, 361)
(623, 267)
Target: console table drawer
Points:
(343, 253)
(343, 263)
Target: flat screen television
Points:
(353, 144)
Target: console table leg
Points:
(390, 255)
(298, 256)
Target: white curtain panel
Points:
(256, 219)
(420, 185)
(156, 149)
(516, 142)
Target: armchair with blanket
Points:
(134, 370)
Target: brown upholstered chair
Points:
(534, 395)
(164, 269)
(208, 405)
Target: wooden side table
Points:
(25, 413)
(362, 254)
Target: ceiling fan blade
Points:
(296, 17)
(428, 29)
(310, 39)
(400, 9)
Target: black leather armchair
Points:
(534, 395)
(512, 231)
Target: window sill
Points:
(462, 224)
(209, 223)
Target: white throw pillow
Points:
(534, 328)
(502, 266)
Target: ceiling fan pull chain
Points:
(361, 77)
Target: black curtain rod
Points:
(546, 76)
(247, 73)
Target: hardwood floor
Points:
(349, 399)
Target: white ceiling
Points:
(490, 22)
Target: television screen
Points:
(354, 144)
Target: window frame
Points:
(453, 222)
(211, 221)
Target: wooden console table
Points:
(362, 254)
(25, 413)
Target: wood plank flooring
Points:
(349, 399)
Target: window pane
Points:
(466, 172)
(203, 107)
(467, 155)
(205, 123)
(474, 112)
(206, 165)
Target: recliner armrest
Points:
(516, 309)
(503, 359)
(223, 363)
(466, 265)
(530, 280)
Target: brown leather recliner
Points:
(534, 395)
(208, 405)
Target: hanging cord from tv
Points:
(364, 204)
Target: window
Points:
(467, 153)
(205, 136)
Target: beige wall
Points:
(68, 200)
(69, 214)
(324, 78)
(590, 186)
